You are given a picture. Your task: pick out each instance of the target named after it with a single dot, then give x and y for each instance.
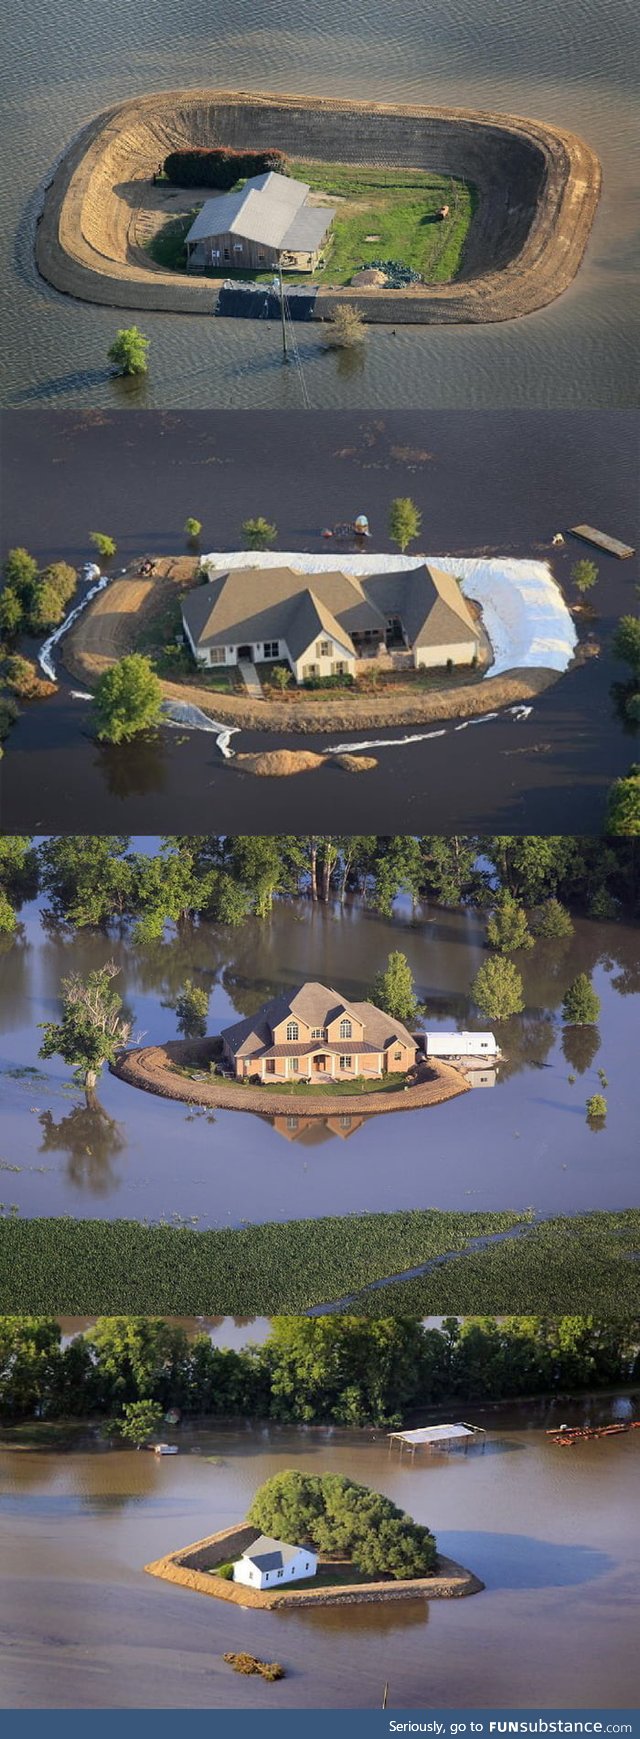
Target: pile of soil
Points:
(281, 763)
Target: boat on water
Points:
(164, 1448)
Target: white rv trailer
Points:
(460, 1044)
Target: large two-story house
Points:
(315, 1034)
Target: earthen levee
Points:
(191, 1567)
(153, 1067)
(537, 192)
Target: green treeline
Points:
(345, 1370)
(89, 880)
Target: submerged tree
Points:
(129, 350)
(192, 1007)
(258, 533)
(497, 989)
(140, 1419)
(584, 575)
(405, 520)
(92, 1029)
(581, 1003)
(127, 700)
(345, 329)
(393, 989)
(507, 928)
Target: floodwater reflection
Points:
(523, 1143)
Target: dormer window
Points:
(292, 1031)
(317, 1032)
(345, 1029)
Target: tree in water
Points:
(92, 1029)
(139, 1421)
(127, 700)
(393, 989)
(128, 353)
(405, 520)
(192, 1007)
(581, 1004)
(507, 927)
(497, 989)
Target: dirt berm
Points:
(192, 1567)
(537, 192)
(154, 1068)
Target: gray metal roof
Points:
(268, 1554)
(270, 209)
(308, 229)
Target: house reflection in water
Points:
(314, 1131)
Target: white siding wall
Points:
(324, 663)
(435, 657)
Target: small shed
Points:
(460, 1045)
(437, 1437)
(269, 1562)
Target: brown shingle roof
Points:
(315, 1005)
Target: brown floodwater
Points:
(551, 1532)
(523, 1142)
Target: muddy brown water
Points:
(523, 1142)
(571, 66)
(550, 1531)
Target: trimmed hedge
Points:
(220, 166)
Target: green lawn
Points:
(399, 206)
(102, 1267)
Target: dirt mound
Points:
(354, 763)
(278, 763)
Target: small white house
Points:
(460, 1045)
(269, 1562)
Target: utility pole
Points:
(283, 314)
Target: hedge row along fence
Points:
(220, 166)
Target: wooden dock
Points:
(611, 545)
(570, 1434)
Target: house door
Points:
(246, 653)
(320, 1065)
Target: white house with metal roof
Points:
(269, 1562)
(271, 221)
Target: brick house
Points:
(315, 1034)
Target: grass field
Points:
(89, 1267)
(398, 206)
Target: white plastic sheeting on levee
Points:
(523, 610)
(181, 712)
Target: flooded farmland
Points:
(550, 1532)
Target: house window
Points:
(217, 655)
(345, 1029)
(226, 254)
(323, 649)
(340, 667)
(292, 1122)
(270, 1065)
(346, 1062)
(271, 648)
(295, 1064)
(309, 670)
(397, 1056)
(345, 1122)
(280, 1575)
(317, 1032)
(292, 1031)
